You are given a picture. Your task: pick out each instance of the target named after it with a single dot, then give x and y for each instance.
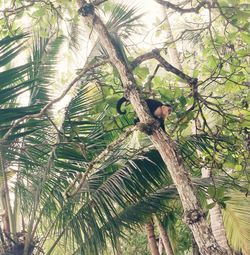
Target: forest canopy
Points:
(77, 177)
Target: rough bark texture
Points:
(151, 239)
(195, 248)
(216, 218)
(164, 237)
(193, 213)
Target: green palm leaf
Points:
(45, 63)
(236, 221)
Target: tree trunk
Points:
(193, 213)
(217, 219)
(195, 248)
(164, 236)
(171, 49)
(160, 246)
(151, 239)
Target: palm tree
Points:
(22, 142)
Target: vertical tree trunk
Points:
(151, 238)
(164, 236)
(160, 246)
(216, 219)
(193, 213)
(172, 50)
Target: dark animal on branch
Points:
(159, 110)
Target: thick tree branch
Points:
(177, 8)
(155, 54)
(172, 69)
(98, 2)
(137, 61)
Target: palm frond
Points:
(45, 62)
(9, 48)
(236, 221)
(82, 125)
(124, 19)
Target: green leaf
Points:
(210, 206)
(166, 93)
(183, 101)
(39, 13)
(142, 72)
(245, 37)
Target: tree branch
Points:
(98, 2)
(177, 8)
(156, 55)
(137, 61)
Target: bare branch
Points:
(172, 69)
(98, 2)
(11, 11)
(156, 55)
(177, 8)
(141, 59)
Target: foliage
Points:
(43, 153)
(236, 219)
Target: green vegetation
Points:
(75, 177)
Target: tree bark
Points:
(216, 219)
(160, 246)
(195, 248)
(151, 238)
(172, 50)
(193, 213)
(164, 236)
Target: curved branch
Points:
(156, 55)
(177, 8)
